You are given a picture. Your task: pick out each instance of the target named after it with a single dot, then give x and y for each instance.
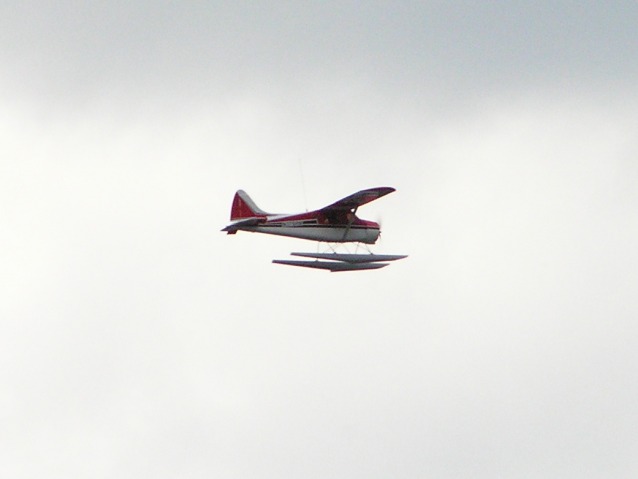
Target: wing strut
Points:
(350, 221)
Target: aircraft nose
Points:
(373, 234)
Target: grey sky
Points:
(139, 340)
(206, 49)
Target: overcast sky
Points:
(136, 340)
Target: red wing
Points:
(359, 198)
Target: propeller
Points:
(379, 221)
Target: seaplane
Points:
(334, 224)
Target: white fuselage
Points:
(330, 234)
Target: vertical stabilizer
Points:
(244, 207)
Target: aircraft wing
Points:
(359, 198)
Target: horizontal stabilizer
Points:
(233, 227)
(332, 266)
(352, 258)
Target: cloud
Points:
(76, 52)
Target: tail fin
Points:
(244, 207)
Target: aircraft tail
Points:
(244, 207)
